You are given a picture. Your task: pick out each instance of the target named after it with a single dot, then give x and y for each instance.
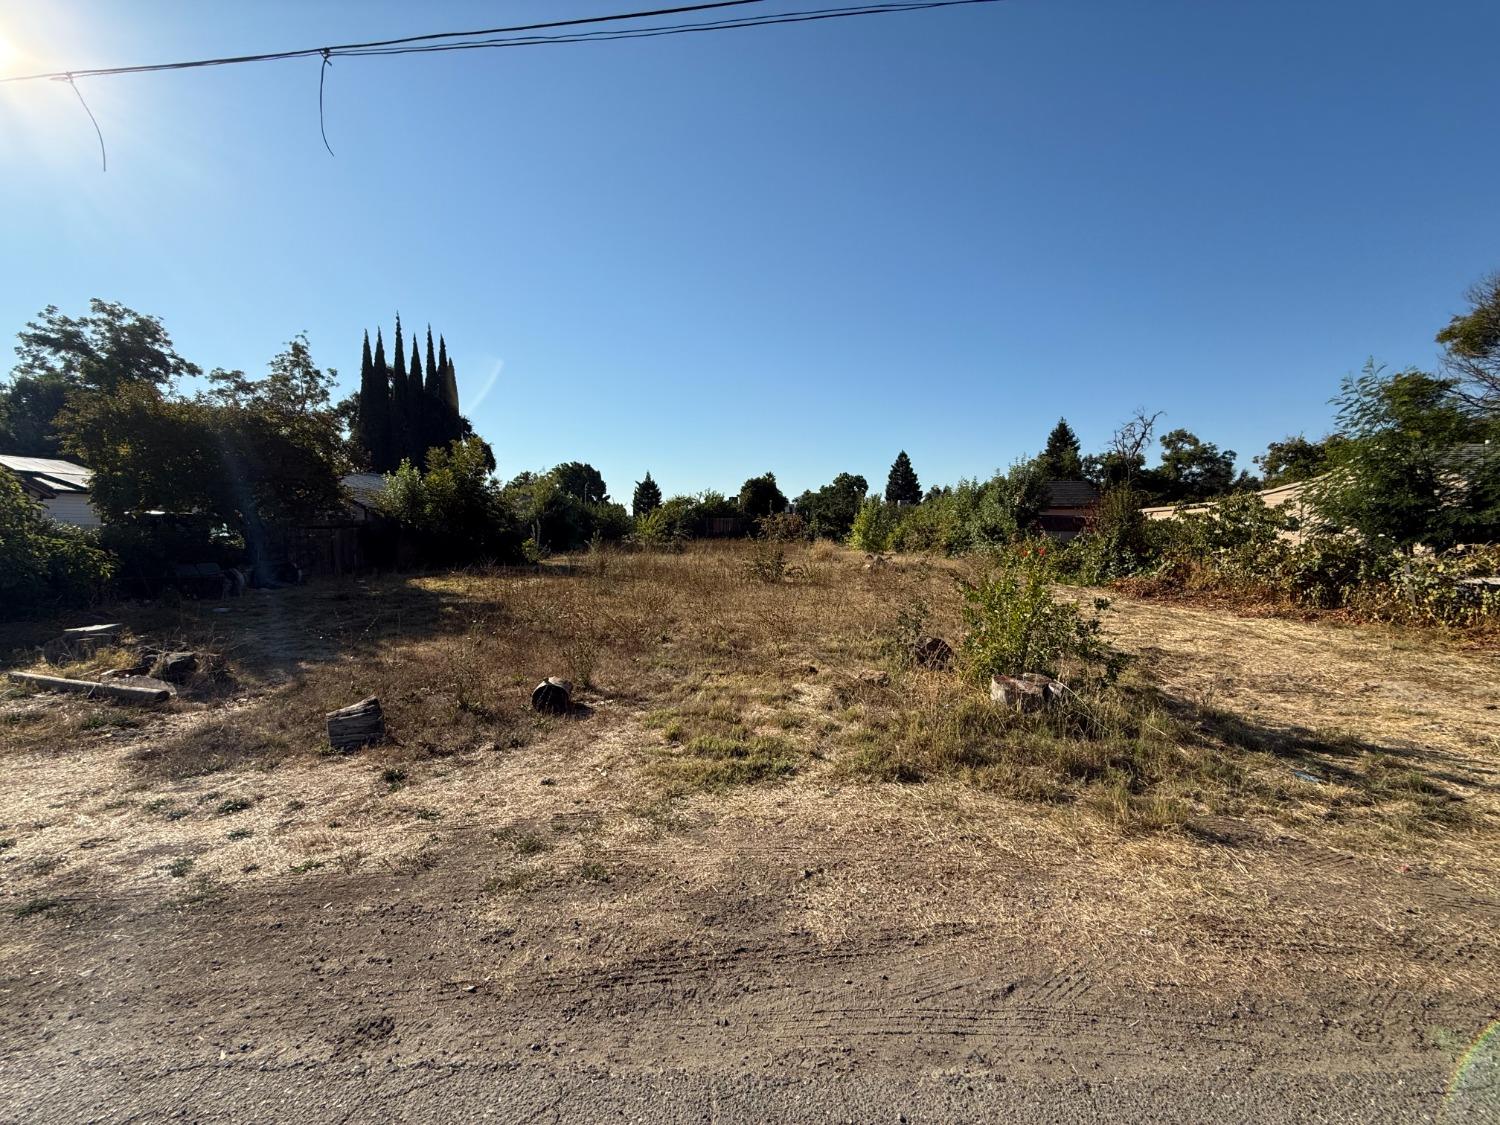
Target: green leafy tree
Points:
(109, 347)
(761, 496)
(249, 456)
(581, 481)
(830, 511)
(1418, 463)
(647, 497)
(1062, 459)
(1294, 459)
(1471, 345)
(901, 486)
(1192, 469)
(29, 407)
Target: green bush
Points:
(43, 564)
(453, 513)
(874, 526)
(1013, 624)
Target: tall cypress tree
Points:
(385, 459)
(432, 399)
(372, 422)
(404, 439)
(421, 411)
(448, 388)
(434, 376)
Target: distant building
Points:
(61, 487)
(1289, 499)
(364, 491)
(1068, 507)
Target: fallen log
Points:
(130, 693)
(357, 725)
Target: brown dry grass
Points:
(726, 718)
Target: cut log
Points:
(130, 693)
(359, 724)
(552, 696)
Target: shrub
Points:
(783, 527)
(1014, 624)
(874, 526)
(453, 513)
(767, 561)
(44, 564)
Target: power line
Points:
(492, 37)
(306, 52)
(892, 7)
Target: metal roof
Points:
(60, 476)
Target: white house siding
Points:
(72, 508)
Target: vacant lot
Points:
(766, 872)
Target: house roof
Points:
(48, 474)
(1071, 494)
(364, 488)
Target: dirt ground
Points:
(506, 918)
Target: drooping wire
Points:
(103, 156)
(322, 74)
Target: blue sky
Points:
(797, 249)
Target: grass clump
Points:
(36, 906)
(233, 805)
(722, 761)
(522, 842)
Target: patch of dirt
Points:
(548, 906)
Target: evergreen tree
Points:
(421, 414)
(448, 393)
(372, 419)
(406, 436)
(647, 497)
(1062, 459)
(434, 375)
(387, 458)
(901, 487)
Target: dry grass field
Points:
(762, 850)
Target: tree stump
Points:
(552, 696)
(175, 667)
(359, 724)
(932, 652)
(1027, 692)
